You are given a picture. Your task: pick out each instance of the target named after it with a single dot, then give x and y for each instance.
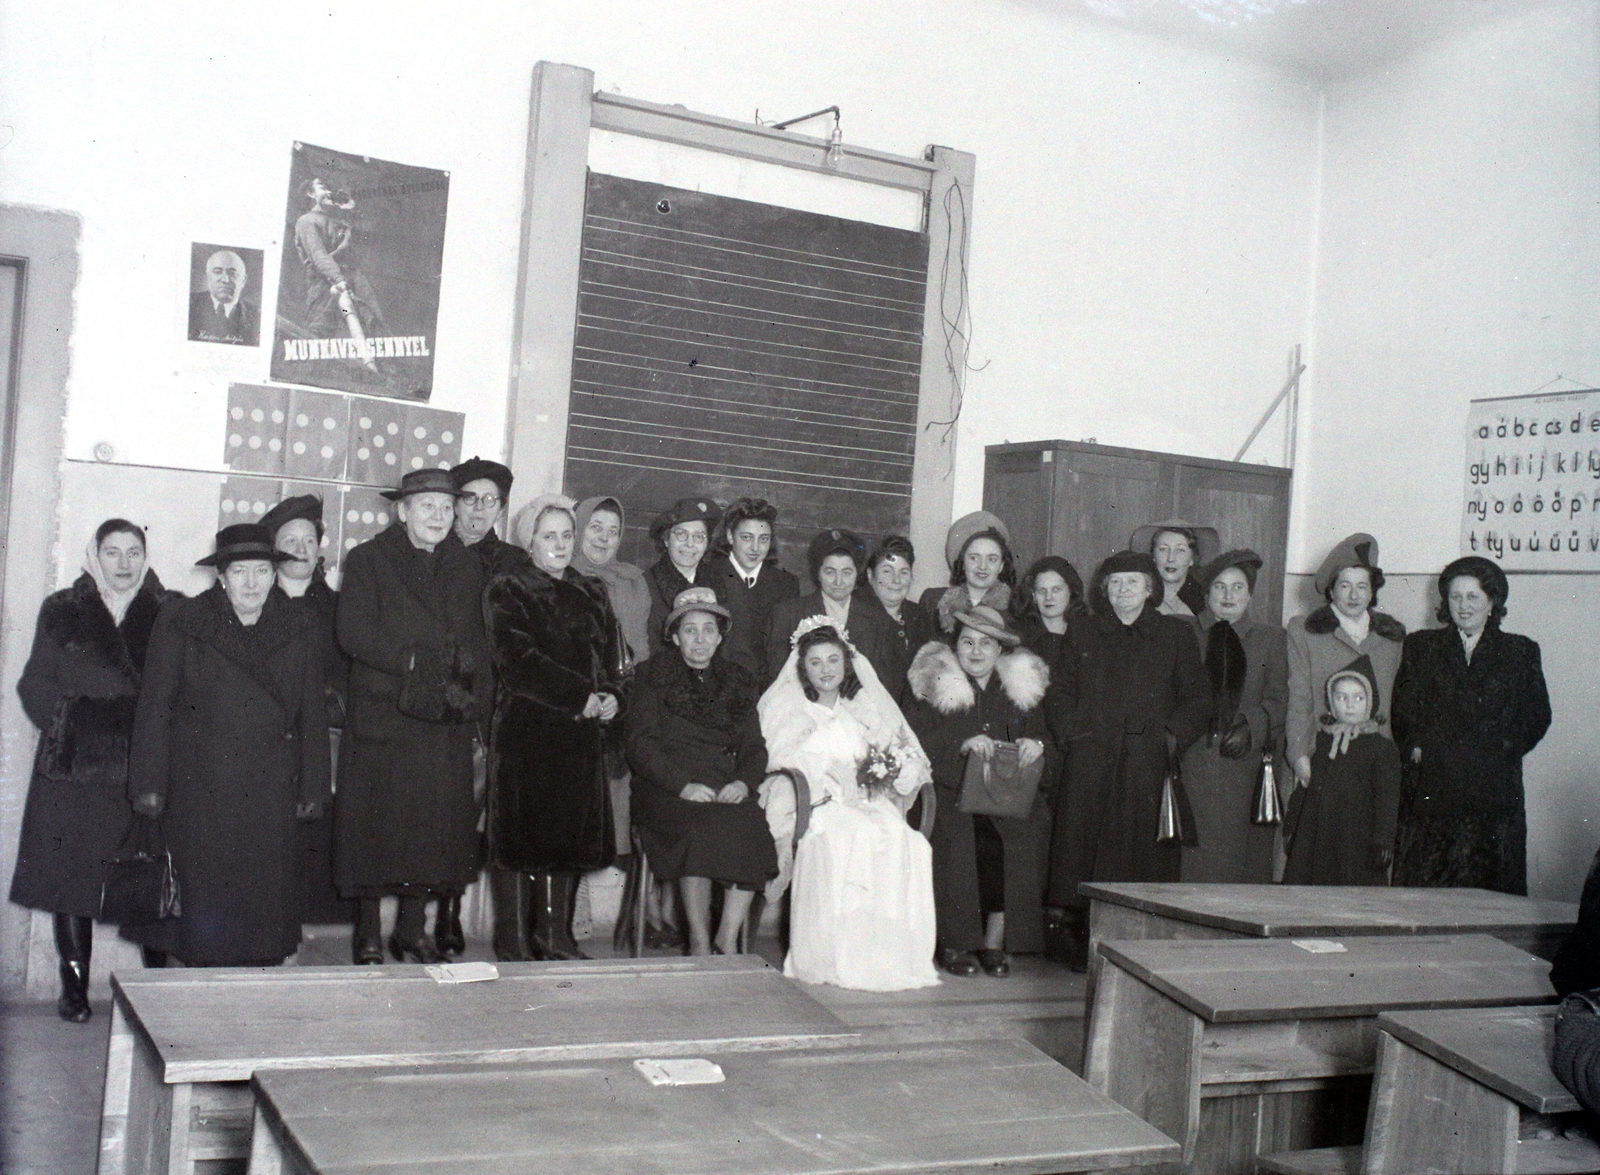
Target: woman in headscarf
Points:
(977, 549)
(558, 656)
(1179, 549)
(601, 523)
(683, 535)
(230, 751)
(1329, 638)
(79, 688)
(1470, 702)
(862, 912)
(1247, 668)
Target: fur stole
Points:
(1323, 621)
(718, 697)
(938, 679)
(1226, 665)
(77, 619)
(955, 599)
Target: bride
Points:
(862, 907)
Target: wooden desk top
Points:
(1507, 1049)
(987, 1105)
(1327, 911)
(224, 1024)
(1236, 980)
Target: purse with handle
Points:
(1000, 785)
(139, 885)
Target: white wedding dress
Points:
(861, 913)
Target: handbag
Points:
(139, 885)
(1175, 821)
(1000, 785)
(1268, 807)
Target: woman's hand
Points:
(698, 793)
(1416, 754)
(1028, 749)
(981, 745)
(734, 793)
(150, 804)
(601, 706)
(1302, 770)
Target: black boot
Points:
(409, 938)
(366, 947)
(74, 943)
(551, 932)
(152, 958)
(447, 933)
(512, 894)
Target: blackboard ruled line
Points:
(635, 296)
(651, 228)
(738, 440)
(772, 284)
(807, 386)
(756, 473)
(776, 288)
(635, 245)
(895, 416)
(757, 378)
(747, 346)
(714, 405)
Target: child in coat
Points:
(1342, 824)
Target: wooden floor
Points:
(51, 1071)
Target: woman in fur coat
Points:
(558, 653)
(988, 871)
(79, 688)
(1332, 636)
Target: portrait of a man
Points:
(224, 295)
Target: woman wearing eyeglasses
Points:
(683, 535)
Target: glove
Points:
(1236, 743)
(150, 804)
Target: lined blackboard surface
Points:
(729, 348)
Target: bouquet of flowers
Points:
(878, 771)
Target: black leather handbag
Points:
(139, 885)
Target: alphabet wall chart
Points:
(1533, 482)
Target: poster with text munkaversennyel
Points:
(1533, 482)
(358, 298)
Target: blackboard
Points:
(730, 349)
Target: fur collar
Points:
(938, 679)
(956, 599)
(1323, 621)
(719, 697)
(77, 619)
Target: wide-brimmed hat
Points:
(479, 468)
(989, 622)
(307, 506)
(424, 481)
(1243, 558)
(1206, 540)
(243, 540)
(694, 599)
(963, 528)
(687, 510)
(835, 542)
(1356, 550)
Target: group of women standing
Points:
(746, 735)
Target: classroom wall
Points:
(1459, 257)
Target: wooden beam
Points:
(547, 278)
(945, 323)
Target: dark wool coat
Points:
(421, 680)
(665, 582)
(1055, 650)
(1576, 966)
(322, 603)
(1462, 820)
(698, 726)
(1133, 686)
(78, 688)
(555, 643)
(1338, 825)
(498, 557)
(232, 732)
(1222, 791)
(947, 709)
(867, 627)
(914, 629)
(746, 642)
(1318, 647)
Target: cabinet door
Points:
(1100, 500)
(1250, 509)
(1016, 489)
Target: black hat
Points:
(243, 540)
(835, 542)
(1128, 561)
(687, 510)
(307, 506)
(478, 468)
(424, 481)
(1244, 559)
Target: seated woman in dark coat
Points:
(558, 654)
(695, 746)
(230, 747)
(78, 688)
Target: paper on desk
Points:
(680, 1071)
(1319, 946)
(463, 972)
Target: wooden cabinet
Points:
(1084, 502)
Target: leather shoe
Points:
(957, 962)
(996, 963)
(448, 935)
(421, 949)
(367, 951)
